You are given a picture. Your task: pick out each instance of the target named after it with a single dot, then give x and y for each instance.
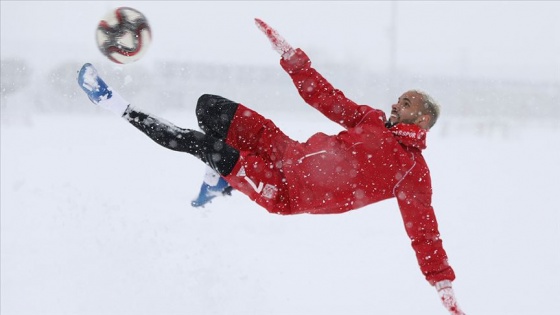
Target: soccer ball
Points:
(124, 35)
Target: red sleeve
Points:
(320, 94)
(414, 196)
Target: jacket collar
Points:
(410, 135)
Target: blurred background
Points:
(491, 62)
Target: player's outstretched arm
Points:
(311, 85)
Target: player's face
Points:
(408, 110)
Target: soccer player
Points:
(373, 159)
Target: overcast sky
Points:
(502, 39)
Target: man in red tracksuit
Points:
(373, 159)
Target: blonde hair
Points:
(431, 106)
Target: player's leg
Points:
(246, 129)
(258, 173)
(212, 151)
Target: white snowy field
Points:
(96, 220)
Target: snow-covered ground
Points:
(96, 220)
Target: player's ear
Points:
(423, 121)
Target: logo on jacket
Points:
(267, 191)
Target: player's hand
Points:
(447, 297)
(278, 42)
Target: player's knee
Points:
(204, 101)
(214, 112)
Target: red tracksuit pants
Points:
(258, 173)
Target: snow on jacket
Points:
(364, 164)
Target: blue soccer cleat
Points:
(90, 81)
(209, 192)
(99, 92)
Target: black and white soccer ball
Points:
(124, 35)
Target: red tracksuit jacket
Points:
(361, 165)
